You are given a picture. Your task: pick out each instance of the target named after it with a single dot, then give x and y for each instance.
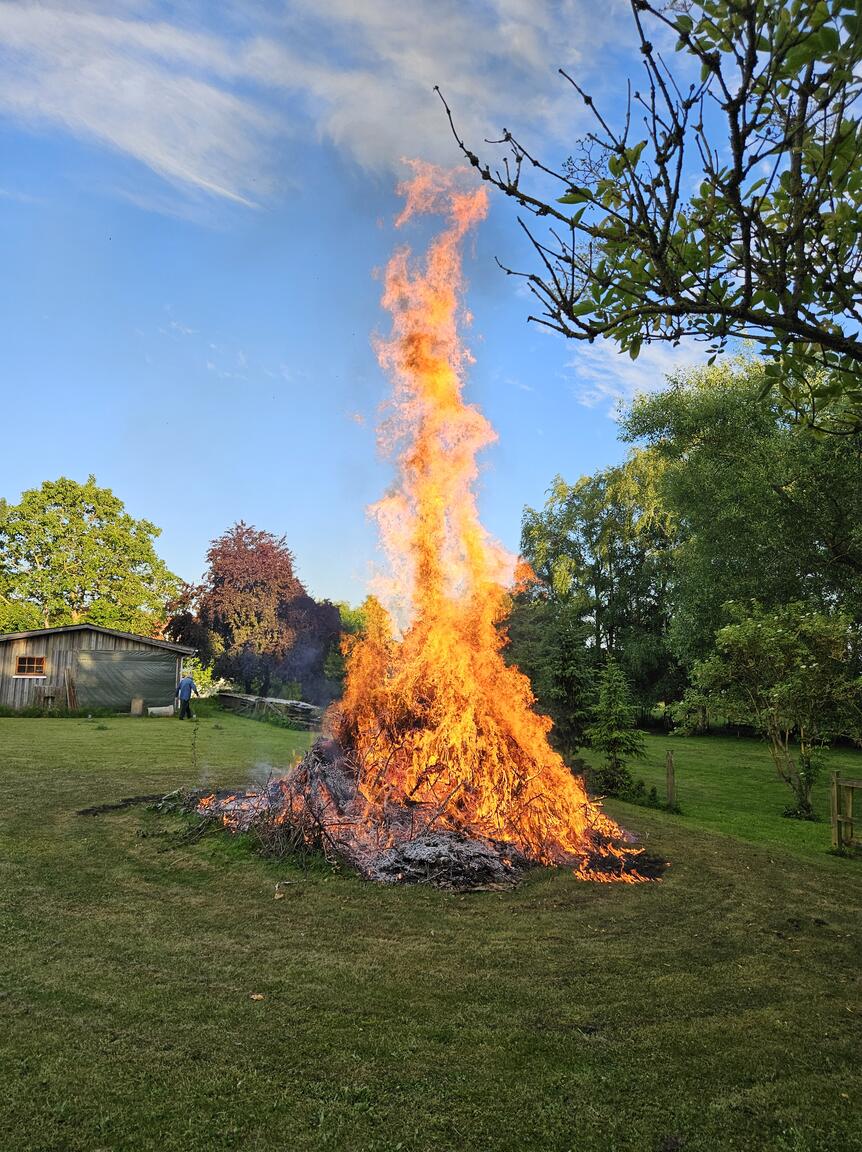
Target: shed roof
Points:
(180, 648)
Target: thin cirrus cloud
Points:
(148, 90)
(602, 375)
(208, 108)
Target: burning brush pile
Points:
(436, 769)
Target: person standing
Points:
(184, 694)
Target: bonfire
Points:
(436, 766)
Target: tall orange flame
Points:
(437, 718)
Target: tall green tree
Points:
(726, 203)
(603, 547)
(765, 509)
(70, 553)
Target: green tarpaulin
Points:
(111, 679)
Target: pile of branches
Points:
(318, 809)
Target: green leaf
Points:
(767, 387)
(828, 40)
(749, 192)
(575, 195)
(800, 56)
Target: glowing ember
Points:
(437, 753)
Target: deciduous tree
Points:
(238, 615)
(315, 630)
(604, 547)
(765, 509)
(70, 553)
(253, 620)
(726, 202)
(793, 674)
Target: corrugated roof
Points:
(98, 628)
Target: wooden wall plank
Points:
(60, 650)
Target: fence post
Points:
(671, 780)
(847, 813)
(834, 813)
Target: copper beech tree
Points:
(251, 618)
(726, 202)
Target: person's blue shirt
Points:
(185, 688)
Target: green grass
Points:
(713, 1011)
(730, 785)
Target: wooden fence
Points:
(844, 837)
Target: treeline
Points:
(70, 553)
(714, 576)
(719, 567)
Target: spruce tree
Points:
(613, 732)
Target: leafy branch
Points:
(766, 248)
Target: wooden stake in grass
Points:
(671, 780)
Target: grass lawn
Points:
(729, 785)
(715, 1010)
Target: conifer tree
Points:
(613, 732)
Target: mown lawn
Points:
(730, 785)
(715, 1010)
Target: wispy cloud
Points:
(602, 375)
(19, 197)
(368, 69)
(221, 359)
(146, 89)
(205, 107)
(182, 329)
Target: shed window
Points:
(31, 666)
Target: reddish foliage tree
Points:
(239, 615)
(251, 617)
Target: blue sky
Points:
(194, 199)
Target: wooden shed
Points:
(85, 666)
